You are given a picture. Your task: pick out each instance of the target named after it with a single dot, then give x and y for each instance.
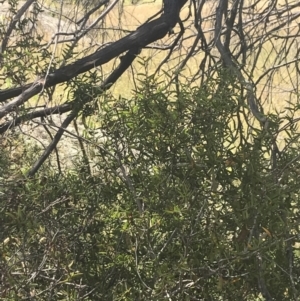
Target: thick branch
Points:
(144, 35)
(126, 61)
(35, 114)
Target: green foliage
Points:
(178, 194)
(22, 55)
(218, 207)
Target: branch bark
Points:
(144, 35)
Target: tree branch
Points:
(144, 35)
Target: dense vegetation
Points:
(186, 190)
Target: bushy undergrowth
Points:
(183, 198)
